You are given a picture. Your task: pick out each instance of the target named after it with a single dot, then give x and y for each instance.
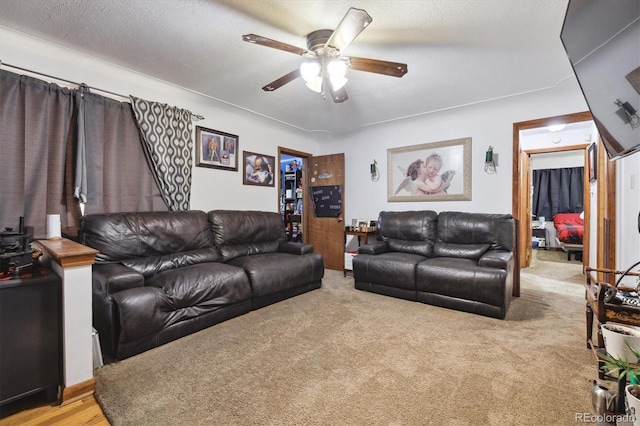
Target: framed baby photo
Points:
(215, 149)
(437, 171)
(259, 169)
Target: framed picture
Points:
(593, 162)
(215, 149)
(258, 169)
(438, 171)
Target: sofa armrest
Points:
(295, 248)
(110, 278)
(496, 259)
(141, 312)
(376, 247)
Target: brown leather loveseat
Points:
(162, 275)
(457, 260)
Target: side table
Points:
(541, 235)
(363, 238)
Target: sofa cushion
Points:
(408, 232)
(271, 273)
(466, 251)
(149, 266)
(194, 290)
(119, 236)
(393, 269)
(462, 279)
(497, 230)
(242, 233)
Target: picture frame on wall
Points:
(216, 149)
(436, 171)
(258, 169)
(593, 162)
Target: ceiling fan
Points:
(326, 68)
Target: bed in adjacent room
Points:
(569, 233)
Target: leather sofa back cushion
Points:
(150, 266)
(119, 236)
(496, 230)
(466, 251)
(241, 233)
(408, 231)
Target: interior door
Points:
(326, 234)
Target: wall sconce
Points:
(490, 161)
(627, 113)
(375, 174)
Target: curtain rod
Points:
(4, 64)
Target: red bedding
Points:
(569, 227)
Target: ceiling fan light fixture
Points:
(315, 84)
(310, 71)
(338, 82)
(337, 68)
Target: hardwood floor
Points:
(79, 413)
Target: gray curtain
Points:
(35, 141)
(166, 134)
(41, 164)
(557, 191)
(118, 177)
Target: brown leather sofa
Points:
(162, 275)
(457, 260)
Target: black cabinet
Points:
(30, 336)
(540, 236)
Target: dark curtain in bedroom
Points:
(557, 191)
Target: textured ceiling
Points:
(458, 52)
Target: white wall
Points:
(628, 206)
(211, 188)
(557, 160)
(489, 123)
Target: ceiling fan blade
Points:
(282, 81)
(274, 44)
(354, 21)
(338, 96)
(394, 69)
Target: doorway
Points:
(521, 195)
(293, 205)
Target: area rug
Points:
(339, 356)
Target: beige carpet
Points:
(553, 255)
(339, 356)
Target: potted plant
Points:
(624, 369)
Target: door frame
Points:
(520, 199)
(306, 161)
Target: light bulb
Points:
(309, 70)
(315, 84)
(337, 82)
(555, 127)
(337, 69)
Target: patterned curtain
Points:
(119, 178)
(166, 135)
